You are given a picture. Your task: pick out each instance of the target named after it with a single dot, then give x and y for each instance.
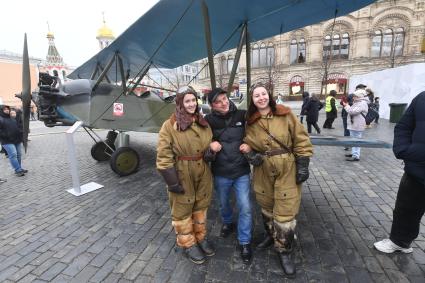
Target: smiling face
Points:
(260, 98)
(189, 103)
(221, 104)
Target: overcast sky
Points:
(74, 24)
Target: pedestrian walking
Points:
(306, 97)
(274, 133)
(356, 113)
(312, 111)
(230, 168)
(11, 137)
(408, 145)
(183, 140)
(331, 111)
(376, 108)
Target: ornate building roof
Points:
(53, 57)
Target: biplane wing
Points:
(171, 33)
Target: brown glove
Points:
(172, 179)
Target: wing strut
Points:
(104, 72)
(248, 66)
(123, 80)
(237, 58)
(207, 29)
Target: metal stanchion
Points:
(76, 189)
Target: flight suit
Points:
(274, 180)
(184, 150)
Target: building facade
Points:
(322, 57)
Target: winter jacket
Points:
(409, 138)
(195, 176)
(312, 110)
(275, 179)
(11, 131)
(355, 120)
(306, 98)
(229, 161)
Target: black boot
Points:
(246, 253)
(226, 230)
(287, 263)
(285, 246)
(195, 254)
(206, 247)
(268, 235)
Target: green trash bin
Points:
(396, 111)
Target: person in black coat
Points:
(306, 97)
(408, 145)
(230, 167)
(312, 111)
(11, 137)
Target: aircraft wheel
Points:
(100, 152)
(124, 161)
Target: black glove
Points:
(254, 158)
(209, 155)
(172, 179)
(302, 168)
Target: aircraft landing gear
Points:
(101, 152)
(124, 161)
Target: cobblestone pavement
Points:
(122, 232)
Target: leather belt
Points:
(276, 151)
(191, 157)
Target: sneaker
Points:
(24, 170)
(387, 246)
(2, 181)
(349, 155)
(346, 148)
(20, 174)
(352, 159)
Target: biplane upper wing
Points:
(171, 33)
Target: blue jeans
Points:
(14, 154)
(241, 186)
(355, 151)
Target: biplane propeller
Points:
(175, 32)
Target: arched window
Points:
(230, 62)
(336, 43)
(255, 58)
(345, 46)
(263, 55)
(338, 46)
(223, 64)
(327, 47)
(301, 51)
(64, 74)
(293, 53)
(387, 42)
(376, 44)
(270, 54)
(398, 42)
(55, 73)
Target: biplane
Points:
(169, 35)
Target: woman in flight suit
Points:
(275, 133)
(183, 140)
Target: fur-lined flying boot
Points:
(284, 244)
(200, 230)
(186, 240)
(268, 234)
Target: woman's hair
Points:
(252, 108)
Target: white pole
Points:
(76, 189)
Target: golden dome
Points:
(50, 35)
(104, 32)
